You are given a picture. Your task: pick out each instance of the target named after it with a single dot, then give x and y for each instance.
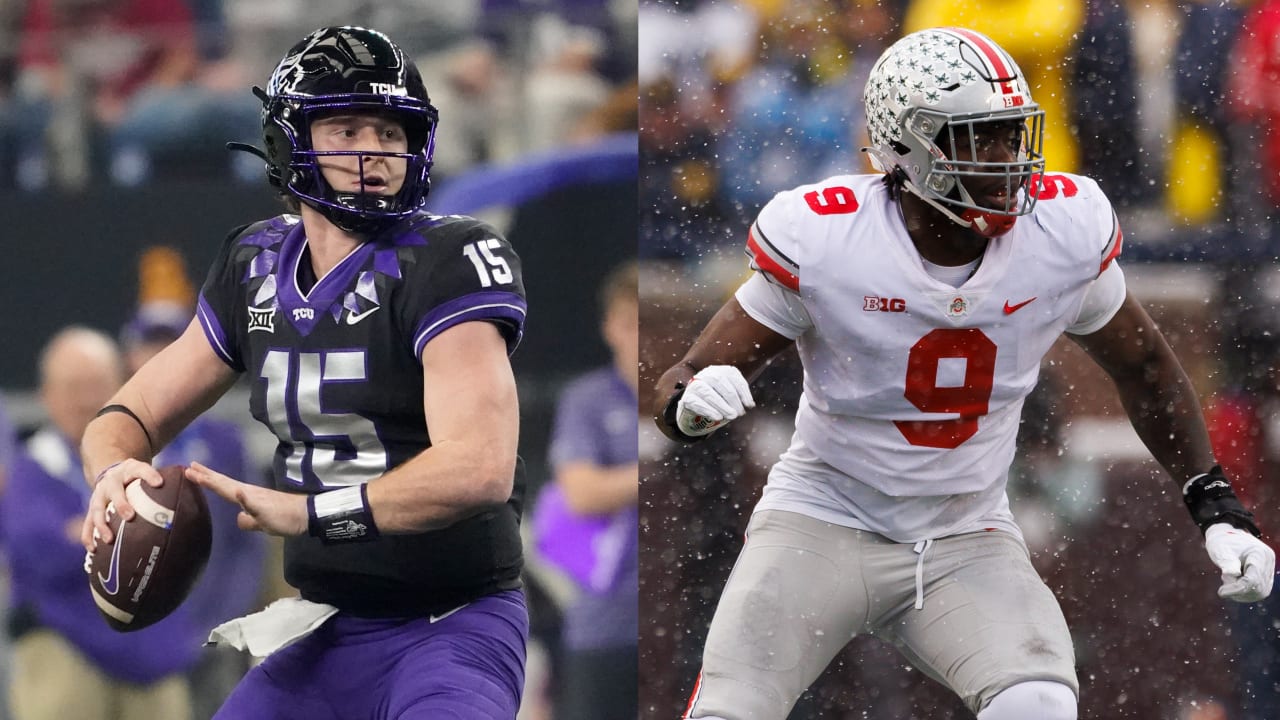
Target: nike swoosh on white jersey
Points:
(353, 318)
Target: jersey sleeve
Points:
(1114, 245)
(1097, 218)
(776, 308)
(466, 271)
(217, 308)
(1102, 299)
(772, 246)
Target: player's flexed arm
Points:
(709, 386)
(1165, 412)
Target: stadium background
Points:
(1159, 102)
(537, 136)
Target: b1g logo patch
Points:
(871, 303)
(262, 319)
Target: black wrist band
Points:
(341, 516)
(1209, 499)
(125, 410)
(669, 418)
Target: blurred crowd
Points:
(128, 91)
(1170, 105)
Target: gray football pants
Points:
(802, 588)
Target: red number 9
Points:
(970, 400)
(835, 200)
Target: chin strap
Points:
(986, 224)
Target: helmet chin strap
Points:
(986, 224)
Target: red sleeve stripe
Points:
(693, 697)
(1112, 251)
(767, 259)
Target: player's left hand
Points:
(261, 509)
(1248, 564)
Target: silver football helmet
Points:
(928, 101)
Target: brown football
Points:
(153, 560)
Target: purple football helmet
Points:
(346, 69)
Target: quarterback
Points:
(922, 301)
(374, 337)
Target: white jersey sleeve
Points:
(774, 306)
(1102, 300)
(773, 245)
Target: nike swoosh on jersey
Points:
(1011, 309)
(353, 318)
(438, 618)
(111, 583)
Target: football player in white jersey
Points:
(922, 302)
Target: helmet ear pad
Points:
(281, 137)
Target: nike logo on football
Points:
(111, 583)
(353, 318)
(1011, 309)
(438, 618)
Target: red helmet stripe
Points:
(995, 56)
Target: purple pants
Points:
(466, 666)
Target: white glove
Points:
(713, 397)
(1248, 564)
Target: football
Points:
(154, 559)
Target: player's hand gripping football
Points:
(261, 509)
(1248, 565)
(713, 397)
(109, 489)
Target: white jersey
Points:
(913, 388)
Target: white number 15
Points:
(490, 267)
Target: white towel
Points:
(279, 624)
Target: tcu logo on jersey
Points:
(303, 314)
(388, 89)
(871, 303)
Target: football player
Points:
(922, 301)
(374, 337)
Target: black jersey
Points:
(336, 375)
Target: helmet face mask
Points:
(939, 104)
(348, 71)
(963, 173)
